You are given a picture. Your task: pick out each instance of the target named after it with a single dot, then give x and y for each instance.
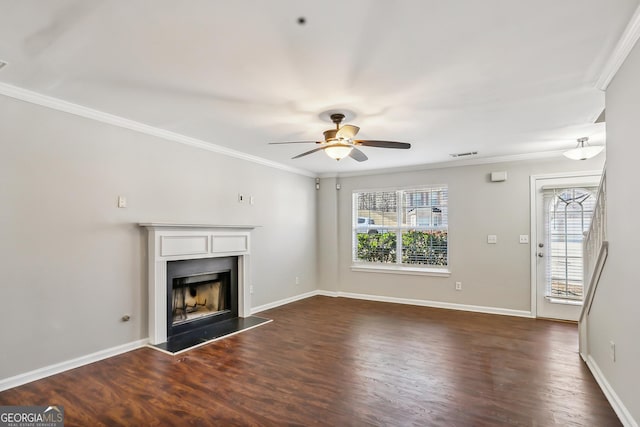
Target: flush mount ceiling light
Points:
(583, 151)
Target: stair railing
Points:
(595, 250)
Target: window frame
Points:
(396, 267)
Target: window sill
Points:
(395, 269)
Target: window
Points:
(402, 228)
(568, 218)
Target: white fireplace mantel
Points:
(170, 242)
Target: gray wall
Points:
(73, 263)
(492, 275)
(615, 315)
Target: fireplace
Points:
(200, 292)
(198, 274)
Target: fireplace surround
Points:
(207, 254)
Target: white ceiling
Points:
(500, 77)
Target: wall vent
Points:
(467, 154)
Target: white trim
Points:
(284, 301)
(614, 400)
(100, 116)
(435, 304)
(574, 174)
(557, 154)
(533, 237)
(394, 300)
(397, 269)
(57, 368)
(625, 44)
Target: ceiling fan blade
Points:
(358, 155)
(383, 144)
(296, 142)
(347, 131)
(309, 152)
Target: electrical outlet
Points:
(458, 286)
(492, 239)
(122, 202)
(612, 351)
(251, 289)
(297, 280)
(524, 238)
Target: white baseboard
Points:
(621, 411)
(419, 302)
(278, 303)
(427, 303)
(47, 371)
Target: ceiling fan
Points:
(339, 142)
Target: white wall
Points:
(72, 263)
(615, 314)
(496, 276)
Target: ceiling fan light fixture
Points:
(582, 151)
(338, 151)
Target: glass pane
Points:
(376, 212)
(376, 247)
(425, 208)
(569, 217)
(424, 247)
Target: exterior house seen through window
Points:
(402, 227)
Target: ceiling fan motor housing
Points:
(330, 134)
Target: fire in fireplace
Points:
(200, 292)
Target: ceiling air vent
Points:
(467, 154)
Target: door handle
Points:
(540, 254)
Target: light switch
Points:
(524, 238)
(492, 239)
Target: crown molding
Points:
(100, 116)
(625, 44)
(557, 154)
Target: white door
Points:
(563, 210)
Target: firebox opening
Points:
(200, 292)
(198, 296)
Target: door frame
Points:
(533, 221)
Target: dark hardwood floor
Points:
(344, 362)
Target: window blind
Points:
(568, 212)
